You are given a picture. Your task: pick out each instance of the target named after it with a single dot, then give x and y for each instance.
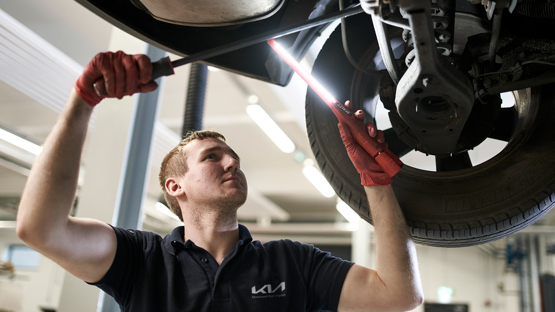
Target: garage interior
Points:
(43, 48)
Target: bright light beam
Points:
(318, 180)
(20, 142)
(348, 213)
(165, 210)
(272, 130)
(305, 75)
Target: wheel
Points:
(458, 204)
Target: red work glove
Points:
(371, 174)
(120, 74)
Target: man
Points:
(210, 264)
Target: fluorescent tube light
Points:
(347, 212)
(7, 224)
(20, 142)
(318, 180)
(267, 124)
(165, 210)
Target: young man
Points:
(210, 264)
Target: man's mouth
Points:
(232, 179)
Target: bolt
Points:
(428, 80)
(487, 83)
(443, 38)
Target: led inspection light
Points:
(388, 161)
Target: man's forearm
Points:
(51, 186)
(396, 262)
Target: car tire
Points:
(455, 208)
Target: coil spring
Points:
(541, 9)
(443, 28)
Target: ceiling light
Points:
(268, 125)
(318, 180)
(348, 213)
(7, 224)
(252, 99)
(213, 69)
(299, 156)
(165, 210)
(444, 294)
(20, 142)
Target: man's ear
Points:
(174, 188)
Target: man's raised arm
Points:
(395, 284)
(84, 247)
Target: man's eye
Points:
(210, 156)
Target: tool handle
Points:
(162, 67)
(389, 162)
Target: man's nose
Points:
(230, 163)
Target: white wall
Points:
(475, 277)
(40, 287)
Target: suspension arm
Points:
(433, 97)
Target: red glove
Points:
(119, 74)
(371, 174)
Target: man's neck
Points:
(215, 233)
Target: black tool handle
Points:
(162, 67)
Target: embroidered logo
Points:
(267, 291)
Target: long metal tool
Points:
(165, 66)
(389, 162)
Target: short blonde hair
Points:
(175, 164)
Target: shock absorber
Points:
(443, 19)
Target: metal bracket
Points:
(433, 97)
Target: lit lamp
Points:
(269, 126)
(20, 142)
(348, 213)
(444, 294)
(317, 179)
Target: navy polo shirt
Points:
(155, 274)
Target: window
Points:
(22, 257)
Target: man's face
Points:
(213, 177)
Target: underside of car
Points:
(437, 66)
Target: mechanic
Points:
(211, 263)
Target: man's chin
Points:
(236, 200)
(241, 200)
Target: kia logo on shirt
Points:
(267, 289)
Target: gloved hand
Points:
(122, 74)
(371, 174)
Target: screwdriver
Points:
(388, 161)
